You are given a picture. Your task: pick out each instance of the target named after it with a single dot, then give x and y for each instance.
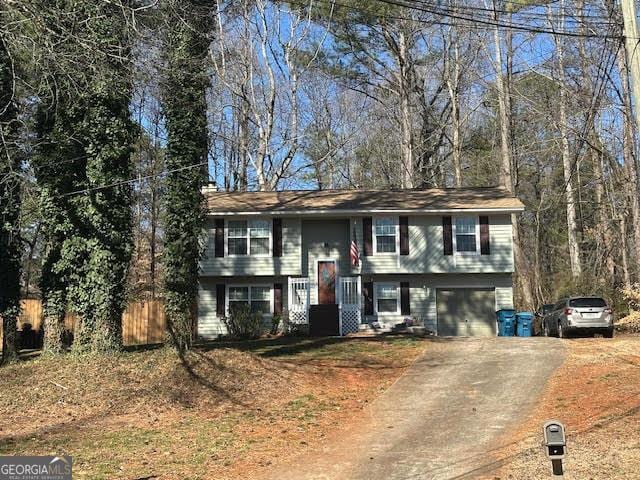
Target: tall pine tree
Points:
(186, 44)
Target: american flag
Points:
(353, 251)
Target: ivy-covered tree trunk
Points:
(98, 288)
(101, 290)
(185, 48)
(84, 169)
(58, 164)
(10, 251)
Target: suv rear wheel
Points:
(608, 334)
(561, 332)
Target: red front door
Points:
(327, 282)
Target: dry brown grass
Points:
(630, 323)
(225, 411)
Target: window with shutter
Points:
(466, 235)
(447, 236)
(277, 237)
(405, 305)
(387, 298)
(249, 237)
(404, 235)
(484, 235)
(220, 299)
(367, 293)
(277, 298)
(256, 297)
(367, 236)
(219, 238)
(385, 235)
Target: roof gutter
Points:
(338, 212)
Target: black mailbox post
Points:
(555, 445)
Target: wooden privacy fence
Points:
(142, 322)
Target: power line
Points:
(488, 22)
(119, 183)
(132, 180)
(519, 13)
(474, 22)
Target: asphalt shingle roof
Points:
(314, 201)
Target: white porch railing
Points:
(349, 301)
(349, 298)
(299, 299)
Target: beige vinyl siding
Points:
(422, 293)
(504, 297)
(210, 326)
(288, 264)
(426, 250)
(315, 233)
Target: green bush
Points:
(276, 322)
(243, 323)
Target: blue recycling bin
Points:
(506, 322)
(524, 321)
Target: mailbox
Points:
(555, 441)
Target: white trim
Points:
(335, 283)
(396, 220)
(454, 234)
(249, 286)
(342, 213)
(269, 220)
(375, 299)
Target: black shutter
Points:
(367, 293)
(220, 299)
(404, 235)
(277, 237)
(219, 237)
(277, 298)
(447, 236)
(367, 236)
(484, 235)
(405, 306)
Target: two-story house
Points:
(342, 258)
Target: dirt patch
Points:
(226, 411)
(596, 394)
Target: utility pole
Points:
(632, 48)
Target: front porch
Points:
(319, 315)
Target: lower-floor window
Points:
(386, 297)
(257, 298)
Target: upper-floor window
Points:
(257, 297)
(466, 234)
(248, 237)
(385, 235)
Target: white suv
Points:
(579, 315)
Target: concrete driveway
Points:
(443, 418)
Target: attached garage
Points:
(466, 312)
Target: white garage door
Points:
(466, 312)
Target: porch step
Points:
(377, 328)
